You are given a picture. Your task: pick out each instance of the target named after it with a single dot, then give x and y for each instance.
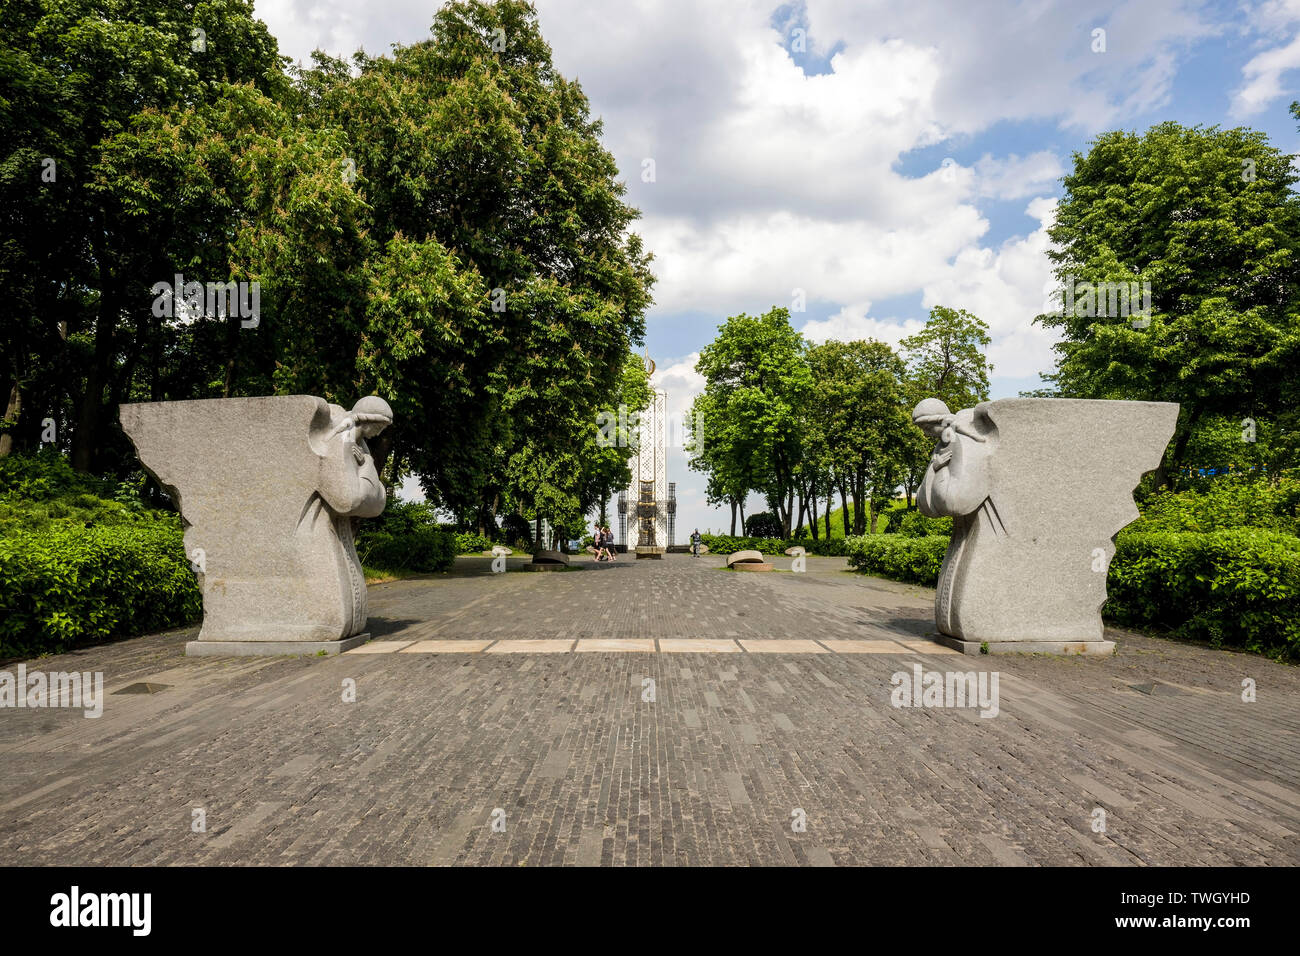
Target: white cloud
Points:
(1005, 288)
(852, 323)
(1263, 78)
(1014, 177)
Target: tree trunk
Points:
(1167, 477)
(830, 506)
(733, 517)
(742, 517)
(85, 439)
(812, 511)
(844, 508)
(12, 411)
(381, 446)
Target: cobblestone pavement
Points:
(654, 757)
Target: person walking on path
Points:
(695, 543)
(598, 540)
(609, 544)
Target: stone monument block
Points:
(747, 561)
(548, 561)
(1037, 490)
(268, 489)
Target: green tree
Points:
(757, 382)
(471, 140)
(1208, 218)
(82, 84)
(861, 402)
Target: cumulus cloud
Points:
(853, 322)
(1006, 288)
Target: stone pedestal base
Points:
(649, 552)
(752, 566)
(1089, 648)
(273, 648)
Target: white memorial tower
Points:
(648, 508)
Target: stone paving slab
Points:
(678, 757)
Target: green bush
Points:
(1227, 502)
(915, 560)
(1238, 587)
(422, 551)
(913, 524)
(67, 585)
(468, 542)
(727, 544)
(406, 537)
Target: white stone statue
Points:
(268, 489)
(1037, 490)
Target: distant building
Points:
(647, 510)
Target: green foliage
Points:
(66, 585)
(913, 524)
(753, 408)
(470, 543)
(729, 544)
(422, 551)
(1237, 587)
(1219, 249)
(914, 560)
(764, 524)
(946, 358)
(1224, 502)
(43, 491)
(406, 537)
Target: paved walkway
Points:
(513, 754)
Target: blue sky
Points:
(823, 168)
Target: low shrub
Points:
(728, 544)
(1238, 587)
(916, 560)
(423, 551)
(913, 524)
(1228, 502)
(67, 584)
(469, 542)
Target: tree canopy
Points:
(440, 225)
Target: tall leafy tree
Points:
(757, 383)
(1209, 219)
(84, 237)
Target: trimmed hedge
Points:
(915, 560)
(66, 585)
(422, 550)
(727, 544)
(1237, 587)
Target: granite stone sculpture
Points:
(747, 561)
(1037, 490)
(268, 489)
